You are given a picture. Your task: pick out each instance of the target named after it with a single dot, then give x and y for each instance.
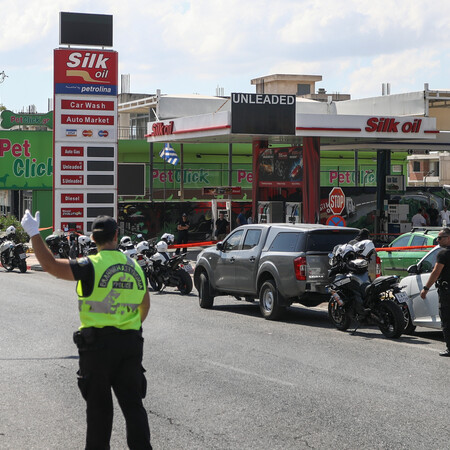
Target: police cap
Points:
(105, 224)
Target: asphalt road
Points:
(223, 378)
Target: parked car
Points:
(422, 313)
(278, 263)
(398, 261)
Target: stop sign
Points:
(336, 200)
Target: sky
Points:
(195, 46)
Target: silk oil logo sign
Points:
(26, 162)
(87, 72)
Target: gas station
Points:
(287, 135)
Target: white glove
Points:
(30, 224)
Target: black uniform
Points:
(221, 228)
(110, 358)
(443, 285)
(183, 236)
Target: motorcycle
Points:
(58, 244)
(11, 254)
(164, 270)
(355, 298)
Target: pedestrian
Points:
(183, 233)
(113, 302)
(418, 220)
(444, 215)
(241, 219)
(222, 226)
(441, 276)
(433, 213)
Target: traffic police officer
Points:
(113, 303)
(441, 275)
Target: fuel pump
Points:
(270, 212)
(293, 212)
(218, 206)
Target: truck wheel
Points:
(269, 301)
(205, 298)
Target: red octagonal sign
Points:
(336, 200)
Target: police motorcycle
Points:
(86, 246)
(81, 245)
(11, 254)
(355, 298)
(58, 244)
(126, 246)
(164, 270)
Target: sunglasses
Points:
(441, 237)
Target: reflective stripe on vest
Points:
(118, 290)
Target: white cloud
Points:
(188, 46)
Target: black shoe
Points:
(445, 353)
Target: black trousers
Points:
(444, 313)
(114, 361)
(182, 239)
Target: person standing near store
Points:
(183, 233)
(433, 214)
(441, 276)
(418, 220)
(444, 215)
(222, 226)
(113, 302)
(241, 219)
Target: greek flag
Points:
(168, 153)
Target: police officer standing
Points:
(441, 275)
(113, 302)
(183, 233)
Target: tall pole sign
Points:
(85, 137)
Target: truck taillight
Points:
(300, 268)
(378, 267)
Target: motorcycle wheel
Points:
(338, 316)
(155, 284)
(185, 285)
(23, 265)
(393, 322)
(5, 263)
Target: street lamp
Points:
(3, 76)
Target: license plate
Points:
(22, 256)
(401, 297)
(188, 268)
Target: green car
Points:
(398, 261)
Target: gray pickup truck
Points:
(280, 264)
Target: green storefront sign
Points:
(10, 119)
(26, 160)
(197, 176)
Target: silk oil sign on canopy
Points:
(88, 72)
(26, 160)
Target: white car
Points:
(423, 313)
